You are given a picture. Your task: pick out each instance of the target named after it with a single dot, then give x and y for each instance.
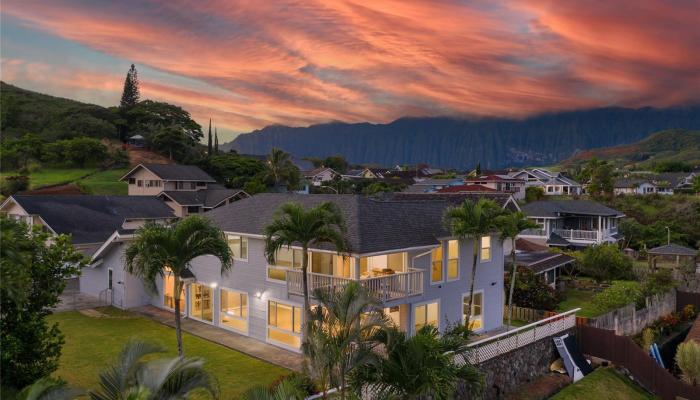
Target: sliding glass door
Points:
(201, 302)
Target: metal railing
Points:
(494, 346)
(384, 288)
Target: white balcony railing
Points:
(384, 288)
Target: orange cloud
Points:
(302, 62)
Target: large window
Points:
(285, 258)
(436, 269)
(234, 310)
(382, 264)
(426, 314)
(476, 318)
(453, 260)
(201, 302)
(169, 293)
(485, 251)
(284, 323)
(239, 246)
(331, 264)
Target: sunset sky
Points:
(248, 64)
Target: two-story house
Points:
(552, 183)
(572, 223)
(184, 188)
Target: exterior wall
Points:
(144, 175)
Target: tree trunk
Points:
(178, 329)
(475, 259)
(170, 154)
(513, 272)
(305, 288)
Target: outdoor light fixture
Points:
(258, 295)
(213, 285)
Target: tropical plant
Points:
(605, 262)
(510, 225)
(280, 169)
(285, 390)
(159, 249)
(137, 376)
(688, 360)
(472, 221)
(425, 365)
(619, 294)
(341, 334)
(532, 291)
(293, 225)
(48, 389)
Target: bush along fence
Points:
(628, 320)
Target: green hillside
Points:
(24, 111)
(675, 145)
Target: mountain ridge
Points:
(464, 142)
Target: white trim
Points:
(461, 309)
(247, 247)
(267, 323)
(247, 319)
(482, 261)
(413, 313)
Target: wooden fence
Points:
(532, 315)
(621, 350)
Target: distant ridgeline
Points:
(461, 143)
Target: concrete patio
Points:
(254, 348)
(73, 300)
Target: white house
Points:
(319, 176)
(552, 183)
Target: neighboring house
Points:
(504, 200)
(572, 223)
(552, 183)
(643, 183)
(501, 183)
(633, 186)
(97, 225)
(398, 249)
(320, 175)
(184, 188)
(362, 174)
(432, 185)
(543, 263)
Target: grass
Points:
(94, 343)
(603, 384)
(578, 298)
(105, 182)
(53, 176)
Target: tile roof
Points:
(175, 172)
(540, 261)
(207, 198)
(555, 208)
(92, 219)
(673, 249)
(373, 225)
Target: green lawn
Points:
(578, 298)
(54, 176)
(603, 384)
(94, 343)
(105, 182)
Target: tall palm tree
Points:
(280, 168)
(159, 249)
(472, 221)
(510, 225)
(48, 389)
(134, 378)
(293, 225)
(342, 333)
(424, 365)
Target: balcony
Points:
(384, 288)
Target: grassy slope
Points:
(603, 384)
(105, 182)
(93, 343)
(99, 182)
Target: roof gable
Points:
(173, 172)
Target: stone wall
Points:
(505, 373)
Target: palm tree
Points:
(472, 221)
(159, 249)
(279, 168)
(288, 389)
(48, 389)
(424, 365)
(510, 225)
(294, 225)
(342, 333)
(133, 378)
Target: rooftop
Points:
(674, 249)
(556, 208)
(465, 188)
(540, 261)
(208, 198)
(174, 172)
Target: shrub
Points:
(533, 292)
(606, 262)
(688, 360)
(689, 312)
(13, 184)
(619, 294)
(533, 193)
(658, 282)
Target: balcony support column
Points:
(356, 268)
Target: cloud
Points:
(302, 62)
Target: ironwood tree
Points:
(130, 94)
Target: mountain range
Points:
(464, 142)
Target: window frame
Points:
(447, 265)
(240, 250)
(270, 266)
(425, 303)
(268, 326)
(442, 264)
(481, 249)
(189, 299)
(464, 296)
(247, 317)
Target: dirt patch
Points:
(142, 156)
(541, 388)
(67, 189)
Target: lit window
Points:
(234, 310)
(201, 302)
(284, 324)
(285, 258)
(485, 254)
(169, 293)
(436, 270)
(452, 259)
(425, 314)
(239, 246)
(476, 318)
(395, 262)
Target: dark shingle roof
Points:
(175, 172)
(206, 197)
(453, 198)
(555, 208)
(92, 219)
(540, 261)
(673, 249)
(556, 240)
(373, 225)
